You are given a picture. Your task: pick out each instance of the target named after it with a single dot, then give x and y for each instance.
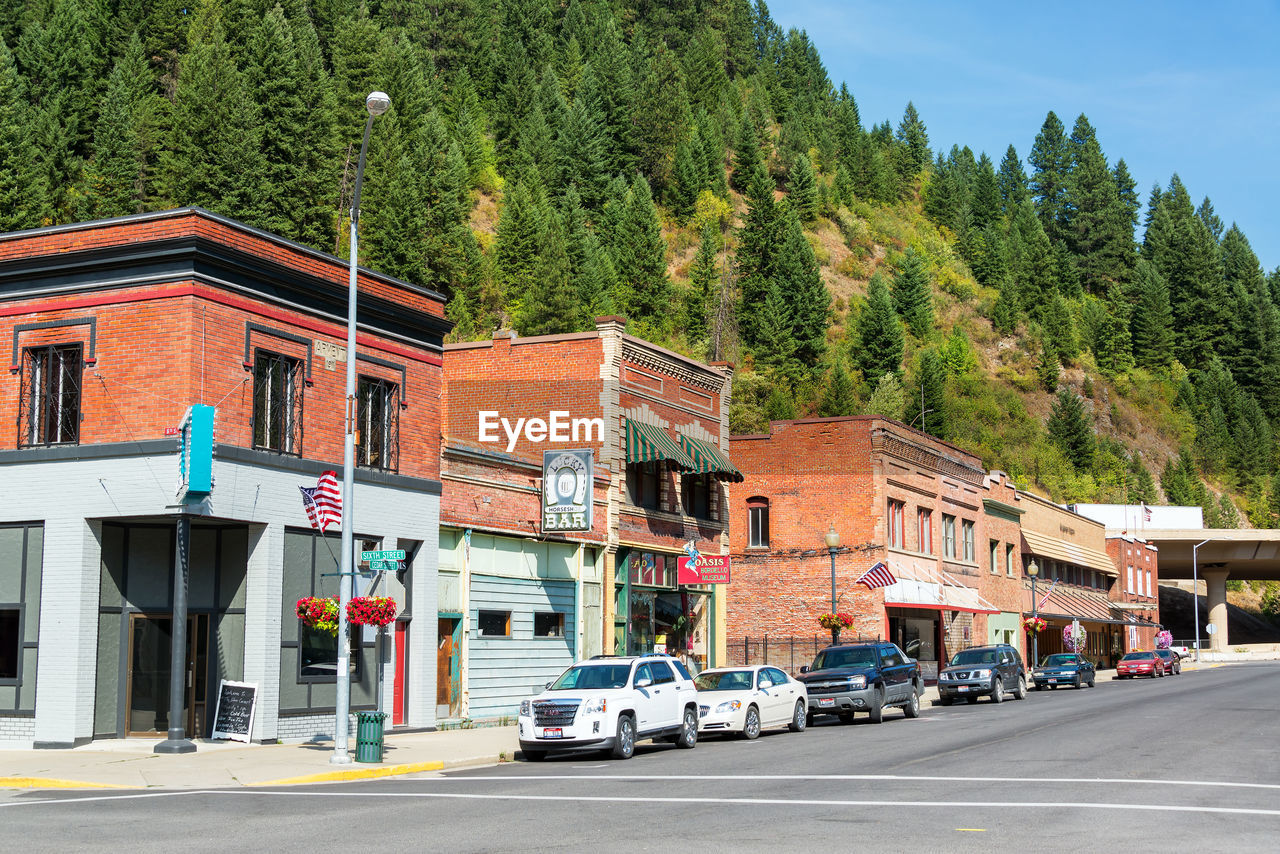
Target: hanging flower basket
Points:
(371, 610)
(319, 613)
(1032, 625)
(1164, 639)
(1074, 640)
(835, 622)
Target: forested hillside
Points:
(690, 165)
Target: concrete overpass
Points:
(1239, 554)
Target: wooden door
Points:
(444, 664)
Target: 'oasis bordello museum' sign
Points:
(566, 490)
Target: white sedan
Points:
(748, 699)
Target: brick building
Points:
(117, 328)
(892, 494)
(1001, 581)
(1085, 575)
(519, 602)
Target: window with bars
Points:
(378, 431)
(49, 406)
(277, 403)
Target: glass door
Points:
(150, 660)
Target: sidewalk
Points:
(129, 763)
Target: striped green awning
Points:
(708, 458)
(647, 443)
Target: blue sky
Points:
(1192, 88)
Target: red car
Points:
(1140, 664)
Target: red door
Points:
(402, 645)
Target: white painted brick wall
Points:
(264, 582)
(17, 733)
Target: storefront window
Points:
(653, 615)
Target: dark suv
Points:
(862, 677)
(979, 670)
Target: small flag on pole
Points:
(1146, 512)
(877, 576)
(323, 502)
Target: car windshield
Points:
(584, 677)
(864, 657)
(1059, 660)
(1139, 656)
(732, 680)
(975, 656)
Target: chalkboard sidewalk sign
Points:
(234, 716)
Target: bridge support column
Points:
(1216, 582)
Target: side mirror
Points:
(765, 683)
(644, 682)
(546, 686)
(804, 668)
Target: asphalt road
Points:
(1186, 763)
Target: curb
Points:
(53, 783)
(354, 774)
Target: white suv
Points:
(608, 703)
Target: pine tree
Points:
(838, 398)
(687, 178)
(1060, 330)
(759, 239)
(582, 145)
(985, 202)
(880, 339)
(802, 288)
(641, 253)
(1012, 181)
(64, 59)
(802, 190)
(1180, 479)
(14, 140)
(926, 396)
(662, 115)
(524, 213)
(912, 294)
(1112, 346)
(1151, 323)
(319, 157)
(550, 306)
(1141, 487)
(774, 344)
(1005, 312)
(1228, 515)
(704, 273)
(1051, 160)
(213, 159)
(1097, 232)
(1048, 367)
(126, 141)
(915, 141)
(1070, 430)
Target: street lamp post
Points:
(1033, 570)
(377, 103)
(1195, 593)
(833, 543)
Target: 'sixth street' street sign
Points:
(386, 561)
(566, 490)
(703, 569)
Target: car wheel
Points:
(751, 729)
(689, 732)
(808, 719)
(876, 712)
(1077, 684)
(1021, 691)
(799, 720)
(1093, 679)
(912, 708)
(846, 717)
(997, 689)
(534, 755)
(625, 743)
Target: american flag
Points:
(323, 502)
(877, 576)
(1146, 512)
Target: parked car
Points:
(1182, 651)
(1140, 664)
(862, 677)
(1172, 662)
(610, 703)
(745, 700)
(1064, 668)
(982, 671)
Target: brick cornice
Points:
(655, 358)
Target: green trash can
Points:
(369, 736)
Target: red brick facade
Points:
(1137, 587)
(850, 474)
(152, 349)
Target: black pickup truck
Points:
(862, 677)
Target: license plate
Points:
(963, 688)
(826, 702)
(553, 732)
(1052, 681)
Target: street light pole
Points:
(1195, 593)
(1033, 570)
(377, 103)
(833, 543)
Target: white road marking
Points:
(101, 798)
(900, 778)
